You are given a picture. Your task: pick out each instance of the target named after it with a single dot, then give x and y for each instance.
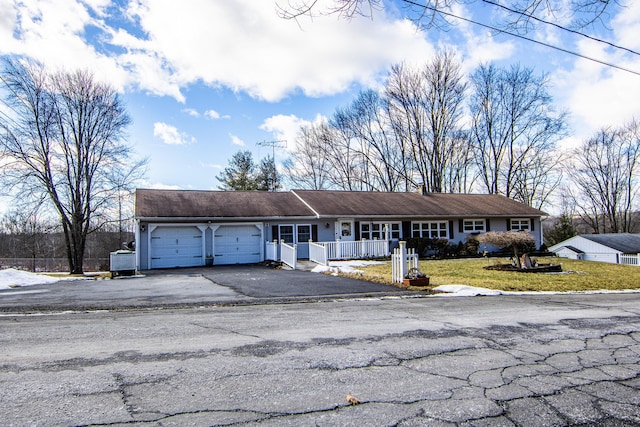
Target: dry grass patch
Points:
(576, 276)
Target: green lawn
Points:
(577, 276)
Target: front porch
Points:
(323, 252)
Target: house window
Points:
(377, 230)
(304, 233)
(286, 233)
(474, 225)
(395, 230)
(432, 230)
(520, 224)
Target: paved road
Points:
(516, 360)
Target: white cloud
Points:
(192, 112)
(236, 141)
(600, 96)
(53, 32)
(211, 165)
(251, 49)
(285, 128)
(170, 134)
(214, 115)
(243, 45)
(159, 186)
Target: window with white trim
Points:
(474, 225)
(304, 233)
(286, 233)
(520, 224)
(377, 230)
(432, 230)
(395, 230)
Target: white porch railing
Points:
(318, 253)
(630, 259)
(289, 254)
(402, 260)
(271, 251)
(358, 249)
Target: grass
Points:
(576, 276)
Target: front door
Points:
(344, 230)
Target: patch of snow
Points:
(345, 267)
(465, 291)
(471, 291)
(12, 278)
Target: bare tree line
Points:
(495, 131)
(414, 133)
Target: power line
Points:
(562, 27)
(471, 21)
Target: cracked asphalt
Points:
(543, 360)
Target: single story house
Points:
(183, 228)
(616, 248)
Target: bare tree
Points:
(408, 119)
(605, 173)
(514, 131)
(521, 16)
(381, 157)
(122, 185)
(63, 137)
(307, 166)
(28, 229)
(425, 108)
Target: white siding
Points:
(592, 251)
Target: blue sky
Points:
(203, 79)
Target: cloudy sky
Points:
(203, 79)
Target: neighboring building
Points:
(182, 228)
(616, 248)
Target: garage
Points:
(237, 244)
(173, 246)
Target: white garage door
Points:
(176, 247)
(237, 244)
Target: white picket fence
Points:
(271, 251)
(318, 253)
(630, 259)
(289, 254)
(322, 252)
(403, 259)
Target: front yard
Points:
(576, 276)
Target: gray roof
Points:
(323, 204)
(434, 205)
(218, 204)
(624, 242)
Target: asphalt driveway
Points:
(239, 284)
(257, 281)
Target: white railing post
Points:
(295, 256)
(403, 257)
(338, 249)
(393, 266)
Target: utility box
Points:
(122, 263)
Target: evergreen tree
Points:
(268, 178)
(563, 230)
(240, 175)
